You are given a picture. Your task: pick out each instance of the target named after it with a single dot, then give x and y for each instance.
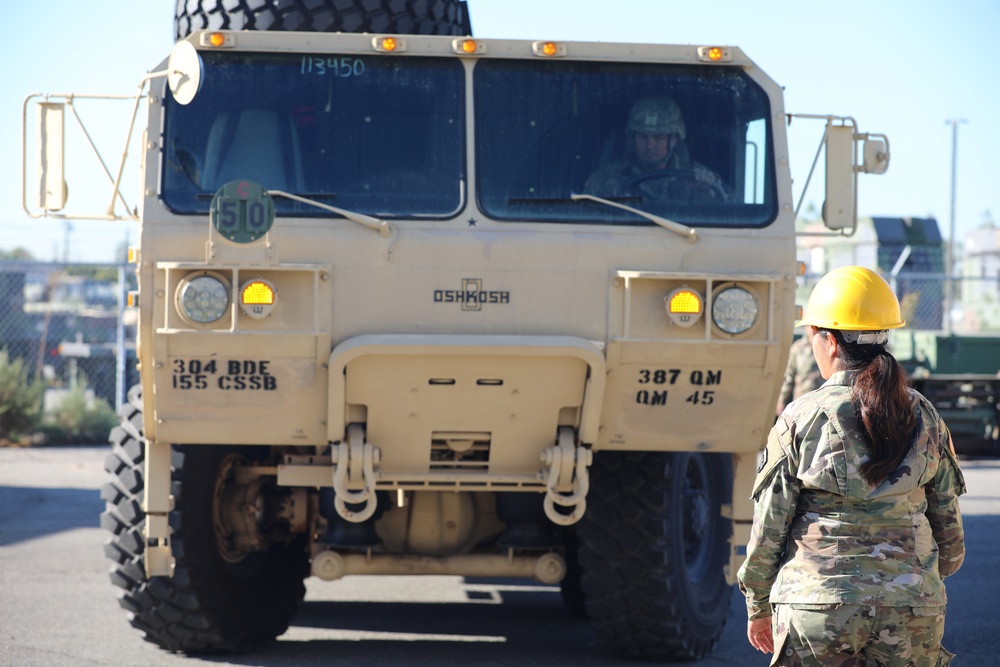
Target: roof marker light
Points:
(217, 39)
(468, 47)
(549, 49)
(388, 44)
(714, 54)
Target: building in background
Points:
(908, 252)
(981, 280)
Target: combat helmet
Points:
(656, 115)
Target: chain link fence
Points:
(953, 361)
(925, 298)
(67, 348)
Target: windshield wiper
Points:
(561, 200)
(381, 226)
(689, 233)
(311, 195)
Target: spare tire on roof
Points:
(413, 17)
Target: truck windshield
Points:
(381, 135)
(689, 143)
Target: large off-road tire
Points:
(653, 544)
(209, 605)
(571, 587)
(413, 17)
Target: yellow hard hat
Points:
(852, 298)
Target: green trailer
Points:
(961, 377)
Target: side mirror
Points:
(841, 140)
(839, 209)
(184, 70)
(875, 154)
(51, 192)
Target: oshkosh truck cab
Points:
(414, 304)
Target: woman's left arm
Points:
(943, 512)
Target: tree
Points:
(16, 253)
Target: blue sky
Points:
(902, 68)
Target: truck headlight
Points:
(203, 299)
(734, 310)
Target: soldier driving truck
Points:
(385, 327)
(657, 163)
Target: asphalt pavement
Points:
(58, 607)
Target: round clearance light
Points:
(257, 298)
(734, 310)
(684, 306)
(203, 299)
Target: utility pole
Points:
(67, 228)
(949, 259)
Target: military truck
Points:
(386, 328)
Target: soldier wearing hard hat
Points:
(856, 521)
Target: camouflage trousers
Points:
(808, 635)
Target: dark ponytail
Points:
(880, 396)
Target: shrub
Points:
(20, 400)
(80, 420)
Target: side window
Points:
(756, 152)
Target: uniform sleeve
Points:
(776, 494)
(942, 507)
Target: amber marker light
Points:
(389, 44)
(257, 298)
(684, 306)
(469, 47)
(714, 54)
(256, 293)
(548, 49)
(217, 40)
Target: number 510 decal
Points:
(242, 211)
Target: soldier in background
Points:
(801, 374)
(856, 516)
(657, 165)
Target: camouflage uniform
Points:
(851, 572)
(613, 179)
(801, 374)
(657, 115)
